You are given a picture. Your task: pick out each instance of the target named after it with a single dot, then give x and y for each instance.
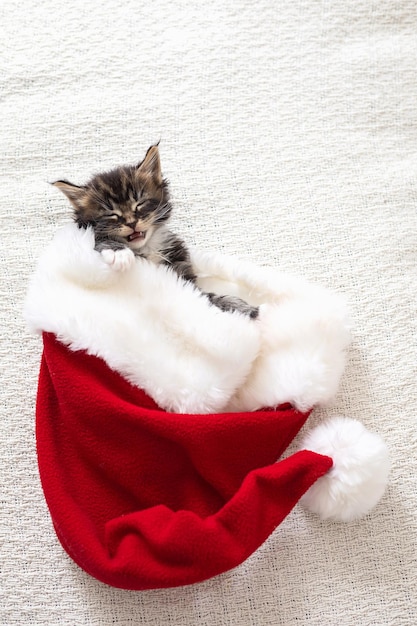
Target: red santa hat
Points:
(158, 464)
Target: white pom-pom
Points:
(359, 476)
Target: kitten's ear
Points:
(151, 165)
(75, 194)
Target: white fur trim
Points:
(147, 324)
(304, 332)
(163, 335)
(359, 476)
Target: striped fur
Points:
(129, 207)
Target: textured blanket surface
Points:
(288, 135)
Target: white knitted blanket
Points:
(288, 134)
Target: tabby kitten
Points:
(128, 209)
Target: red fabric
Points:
(141, 498)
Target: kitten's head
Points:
(126, 204)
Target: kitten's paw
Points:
(119, 260)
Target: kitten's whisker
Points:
(163, 257)
(162, 211)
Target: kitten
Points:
(128, 209)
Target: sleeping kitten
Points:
(128, 209)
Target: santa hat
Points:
(143, 496)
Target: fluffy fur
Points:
(128, 209)
(304, 331)
(359, 474)
(163, 335)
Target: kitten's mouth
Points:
(140, 234)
